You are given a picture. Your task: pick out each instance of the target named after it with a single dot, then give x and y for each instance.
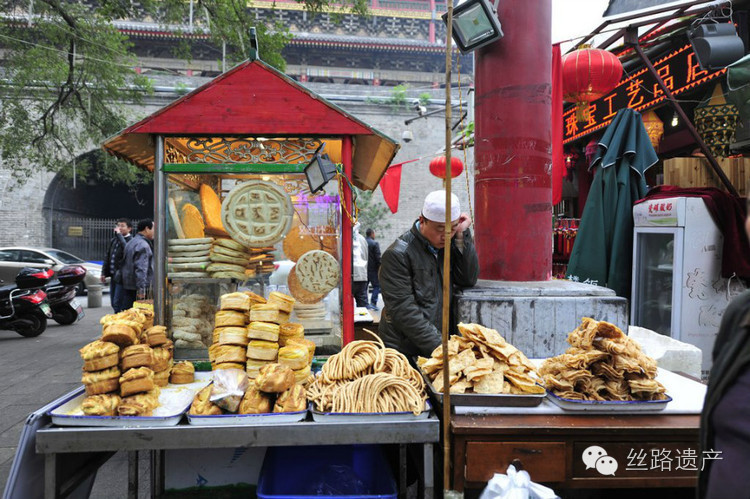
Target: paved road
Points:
(35, 371)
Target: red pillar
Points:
(513, 157)
(347, 307)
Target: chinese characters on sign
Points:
(679, 70)
(668, 460)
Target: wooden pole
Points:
(447, 259)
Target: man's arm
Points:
(403, 312)
(141, 262)
(376, 254)
(464, 262)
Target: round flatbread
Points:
(177, 267)
(191, 248)
(189, 242)
(187, 274)
(189, 259)
(318, 271)
(223, 250)
(175, 219)
(298, 292)
(257, 213)
(230, 275)
(229, 243)
(226, 267)
(228, 259)
(188, 254)
(302, 239)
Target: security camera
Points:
(407, 136)
(415, 104)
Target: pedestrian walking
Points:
(137, 268)
(373, 266)
(113, 261)
(359, 267)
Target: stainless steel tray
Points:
(619, 406)
(485, 400)
(247, 419)
(174, 400)
(363, 417)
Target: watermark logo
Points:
(596, 457)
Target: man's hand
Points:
(117, 230)
(464, 222)
(102, 278)
(140, 294)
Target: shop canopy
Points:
(254, 99)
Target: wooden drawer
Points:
(545, 461)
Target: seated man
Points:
(411, 276)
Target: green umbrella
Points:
(603, 249)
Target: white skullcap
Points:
(434, 207)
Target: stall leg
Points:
(157, 473)
(429, 475)
(403, 463)
(50, 476)
(133, 475)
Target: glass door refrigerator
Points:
(678, 290)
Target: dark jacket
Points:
(373, 257)
(731, 355)
(115, 253)
(411, 279)
(137, 268)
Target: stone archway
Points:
(80, 219)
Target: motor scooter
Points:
(23, 306)
(61, 294)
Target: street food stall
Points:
(252, 272)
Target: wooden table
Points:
(651, 450)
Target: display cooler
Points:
(678, 290)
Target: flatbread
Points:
(188, 242)
(229, 275)
(187, 266)
(300, 293)
(191, 248)
(302, 239)
(229, 243)
(257, 214)
(189, 259)
(215, 257)
(223, 250)
(175, 219)
(187, 274)
(318, 272)
(226, 267)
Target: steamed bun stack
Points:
(266, 322)
(229, 338)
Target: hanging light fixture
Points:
(675, 120)
(654, 127)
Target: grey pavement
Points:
(36, 371)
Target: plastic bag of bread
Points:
(228, 388)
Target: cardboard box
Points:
(697, 172)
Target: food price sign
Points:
(639, 91)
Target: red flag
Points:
(558, 161)
(390, 185)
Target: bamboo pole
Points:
(447, 259)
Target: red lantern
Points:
(437, 167)
(589, 74)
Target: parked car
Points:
(13, 259)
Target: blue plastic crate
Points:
(343, 471)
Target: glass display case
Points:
(245, 228)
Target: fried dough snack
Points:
(602, 364)
(368, 377)
(481, 361)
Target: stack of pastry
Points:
(310, 312)
(264, 329)
(192, 322)
(162, 350)
(140, 394)
(296, 351)
(101, 373)
(125, 328)
(230, 259)
(228, 349)
(273, 390)
(188, 257)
